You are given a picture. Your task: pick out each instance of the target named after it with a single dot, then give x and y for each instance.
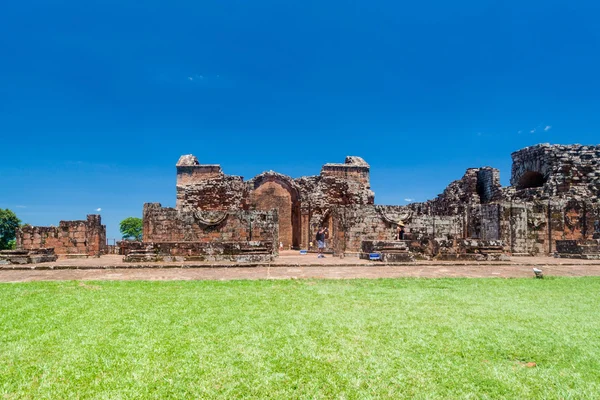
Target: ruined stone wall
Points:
(274, 191)
(252, 251)
(533, 227)
(554, 197)
(355, 223)
(302, 204)
(171, 225)
(321, 194)
(477, 186)
(525, 227)
(70, 237)
(556, 171)
(205, 186)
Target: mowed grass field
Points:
(388, 338)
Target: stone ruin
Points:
(553, 197)
(27, 256)
(219, 216)
(70, 238)
(551, 207)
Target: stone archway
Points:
(270, 191)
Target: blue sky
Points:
(98, 99)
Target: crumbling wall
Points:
(206, 187)
(70, 237)
(477, 186)
(554, 196)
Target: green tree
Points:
(131, 228)
(8, 228)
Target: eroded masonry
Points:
(551, 207)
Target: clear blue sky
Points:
(98, 99)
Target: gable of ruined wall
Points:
(225, 192)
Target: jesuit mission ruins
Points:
(551, 208)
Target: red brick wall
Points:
(70, 237)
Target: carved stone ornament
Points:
(210, 218)
(406, 217)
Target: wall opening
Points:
(276, 194)
(484, 185)
(531, 179)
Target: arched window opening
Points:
(531, 179)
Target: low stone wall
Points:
(389, 251)
(589, 249)
(251, 251)
(70, 237)
(27, 256)
(127, 246)
(567, 247)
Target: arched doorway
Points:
(274, 191)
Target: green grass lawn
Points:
(388, 338)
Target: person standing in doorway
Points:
(320, 238)
(400, 230)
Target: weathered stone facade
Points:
(554, 196)
(552, 206)
(301, 204)
(68, 238)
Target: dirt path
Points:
(283, 272)
(290, 265)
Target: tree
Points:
(8, 228)
(131, 228)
